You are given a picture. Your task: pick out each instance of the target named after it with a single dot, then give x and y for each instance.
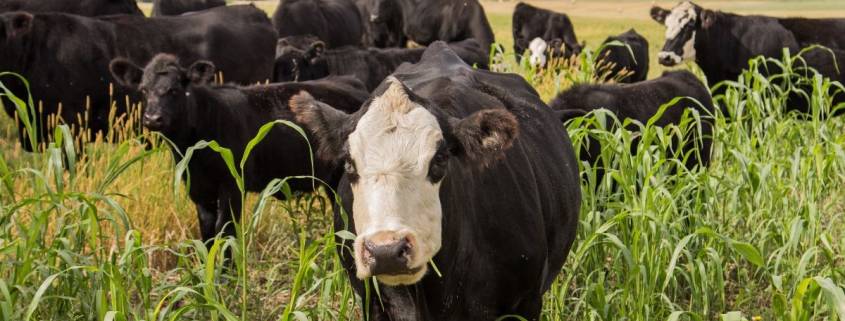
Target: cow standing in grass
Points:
(540, 30)
(641, 102)
(181, 105)
(723, 43)
(458, 166)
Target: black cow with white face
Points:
(180, 104)
(177, 7)
(370, 65)
(641, 101)
(723, 43)
(66, 57)
(461, 166)
(88, 8)
(535, 29)
(336, 22)
(622, 59)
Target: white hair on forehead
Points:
(680, 16)
(394, 98)
(538, 52)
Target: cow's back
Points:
(335, 22)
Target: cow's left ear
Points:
(708, 17)
(483, 137)
(659, 14)
(19, 24)
(201, 72)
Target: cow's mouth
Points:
(407, 277)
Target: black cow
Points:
(88, 8)
(370, 65)
(177, 7)
(426, 21)
(66, 58)
(622, 59)
(382, 24)
(457, 165)
(640, 102)
(554, 29)
(184, 108)
(722, 43)
(335, 22)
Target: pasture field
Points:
(760, 235)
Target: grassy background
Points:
(741, 238)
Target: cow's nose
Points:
(666, 59)
(375, 19)
(152, 121)
(389, 259)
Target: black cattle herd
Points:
(434, 157)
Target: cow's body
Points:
(622, 59)
(66, 58)
(553, 28)
(641, 101)
(186, 110)
(723, 43)
(335, 22)
(426, 21)
(508, 200)
(88, 8)
(370, 65)
(177, 7)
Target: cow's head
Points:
(396, 151)
(296, 64)
(539, 50)
(164, 84)
(681, 25)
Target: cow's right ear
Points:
(201, 72)
(659, 14)
(126, 73)
(328, 124)
(19, 24)
(708, 17)
(316, 50)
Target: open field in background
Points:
(759, 233)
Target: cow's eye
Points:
(440, 159)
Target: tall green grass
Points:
(759, 233)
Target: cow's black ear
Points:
(19, 24)
(329, 125)
(201, 72)
(126, 73)
(316, 50)
(483, 137)
(659, 14)
(568, 114)
(708, 17)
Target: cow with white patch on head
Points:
(722, 44)
(461, 167)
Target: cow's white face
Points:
(396, 205)
(537, 47)
(680, 35)
(396, 155)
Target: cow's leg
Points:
(229, 212)
(530, 307)
(207, 214)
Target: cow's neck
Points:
(715, 50)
